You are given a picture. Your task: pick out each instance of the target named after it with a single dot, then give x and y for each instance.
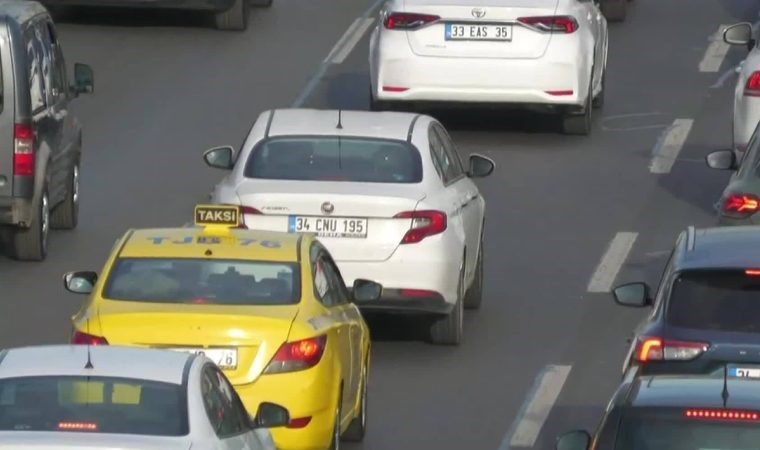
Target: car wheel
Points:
(614, 10)
(235, 18)
(474, 295)
(335, 441)
(358, 426)
(598, 101)
(30, 244)
(579, 124)
(66, 215)
(448, 329)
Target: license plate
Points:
(341, 227)
(744, 372)
(225, 358)
(478, 32)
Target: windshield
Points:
(93, 404)
(214, 281)
(727, 300)
(649, 429)
(329, 158)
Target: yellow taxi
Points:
(269, 308)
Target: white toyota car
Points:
(747, 91)
(548, 55)
(386, 193)
(127, 398)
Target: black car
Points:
(658, 412)
(706, 311)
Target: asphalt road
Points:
(168, 86)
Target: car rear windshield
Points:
(330, 158)
(93, 404)
(213, 281)
(727, 300)
(672, 430)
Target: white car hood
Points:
(42, 440)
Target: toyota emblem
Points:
(328, 208)
(478, 12)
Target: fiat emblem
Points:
(328, 208)
(478, 12)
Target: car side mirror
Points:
(84, 79)
(574, 440)
(80, 282)
(270, 415)
(722, 160)
(480, 166)
(739, 34)
(366, 290)
(632, 294)
(219, 157)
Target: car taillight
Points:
(246, 210)
(297, 355)
(424, 223)
(78, 426)
(87, 339)
(655, 349)
(740, 205)
(23, 150)
(408, 21)
(730, 414)
(552, 24)
(752, 88)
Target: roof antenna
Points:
(88, 364)
(340, 124)
(724, 394)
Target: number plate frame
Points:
(308, 224)
(448, 34)
(749, 372)
(216, 354)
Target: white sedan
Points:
(108, 397)
(549, 55)
(386, 193)
(747, 91)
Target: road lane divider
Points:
(669, 146)
(715, 52)
(535, 410)
(353, 38)
(612, 261)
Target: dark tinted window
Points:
(95, 404)
(715, 299)
(225, 413)
(335, 159)
(213, 281)
(34, 60)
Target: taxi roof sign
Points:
(226, 216)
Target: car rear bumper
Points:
(203, 5)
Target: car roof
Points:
(297, 121)
(694, 391)
(196, 242)
(721, 247)
(20, 10)
(108, 361)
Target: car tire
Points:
(30, 244)
(598, 101)
(614, 10)
(448, 330)
(65, 216)
(474, 296)
(358, 426)
(335, 441)
(579, 124)
(235, 18)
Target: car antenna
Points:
(724, 394)
(340, 124)
(88, 364)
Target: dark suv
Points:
(40, 140)
(706, 311)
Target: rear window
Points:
(335, 159)
(650, 429)
(93, 404)
(227, 282)
(727, 300)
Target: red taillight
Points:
(78, 426)
(417, 293)
(23, 150)
(299, 422)
(655, 349)
(408, 21)
(740, 205)
(752, 272)
(297, 355)
(87, 339)
(395, 89)
(752, 88)
(249, 210)
(559, 93)
(730, 414)
(424, 223)
(552, 24)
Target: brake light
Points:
(740, 205)
(299, 422)
(77, 426)
(655, 349)
(551, 24)
(408, 21)
(418, 293)
(424, 223)
(23, 150)
(297, 355)
(249, 210)
(752, 88)
(87, 339)
(730, 414)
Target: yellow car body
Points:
(260, 334)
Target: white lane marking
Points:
(538, 404)
(715, 52)
(612, 262)
(667, 148)
(359, 31)
(338, 45)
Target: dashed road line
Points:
(612, 262)
(535, 410)
(666, 151)
(715, 52)
(362, 25)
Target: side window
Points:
(322, 287)
(438, 153)
(221, 404)
(58, 67)
(337, 285)
(750, 158)
(34, 69)
(455, 163)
